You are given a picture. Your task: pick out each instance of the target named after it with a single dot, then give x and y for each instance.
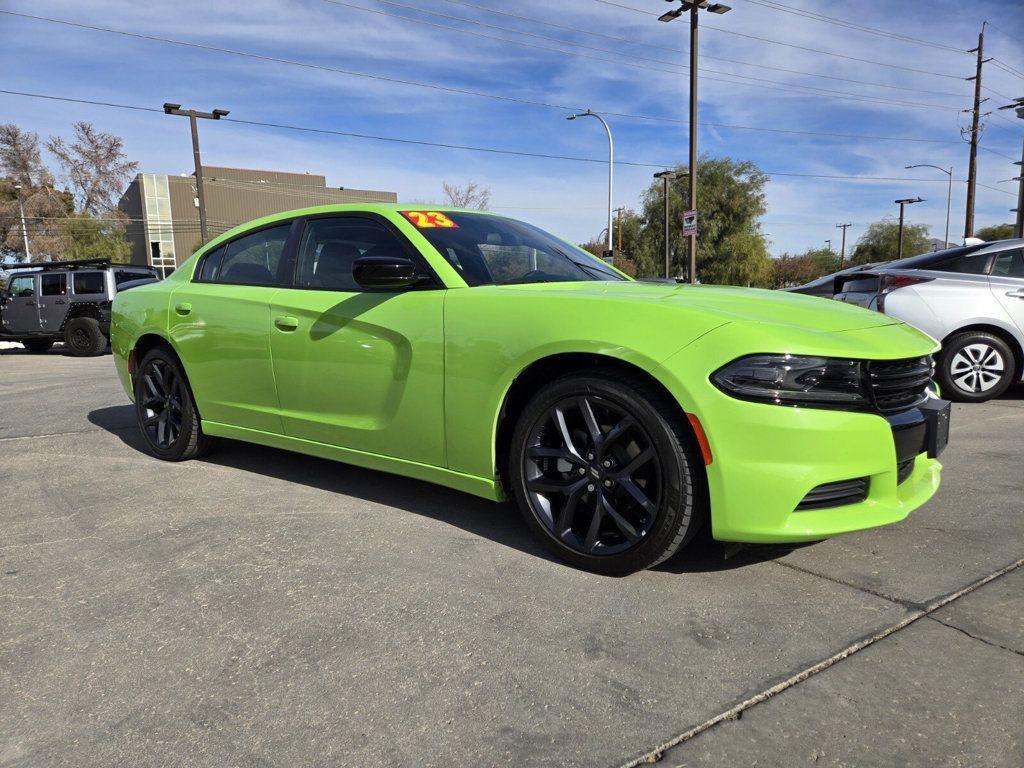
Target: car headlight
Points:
(820, 382)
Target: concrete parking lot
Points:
(259, 608)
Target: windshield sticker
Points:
(429, 219)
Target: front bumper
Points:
(767, 458)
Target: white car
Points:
(970, 298)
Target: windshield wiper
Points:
(591, 268)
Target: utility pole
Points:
(972, 165)
(24, 229)
(191, 114)
(618, 227)
(665, 177)
(902, 204)
(1018, 105)
(842, 251)
(693, 6)
(828, 244)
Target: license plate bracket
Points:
(936, 415)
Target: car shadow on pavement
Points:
(499, 522)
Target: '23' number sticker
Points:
(430, 219)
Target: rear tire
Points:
(37, 345)
(164, 409)
(975, 366)
(605, 474)
(83, 337)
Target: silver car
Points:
(970, 298)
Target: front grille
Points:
(903, 470)
(899, 384)
(835, 494)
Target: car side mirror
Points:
(385, 272)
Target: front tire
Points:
(605, 474)
(164, 409)
(37, 345)
(975, 366)
(83, 337)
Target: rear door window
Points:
(1009, 264)
(54, 285)
(966, 264)
(210, 267)
(88, 283)
(255, 259)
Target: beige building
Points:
(163, 211)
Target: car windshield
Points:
(493, 250)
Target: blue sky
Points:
(635, 77)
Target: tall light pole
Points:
(842, 250)
(24, 229)
(665, 177)
(949, 192)
(191, 114)
(1018, 105)
(828, 244)
(693, 6)
(902, 204)
(611, 169)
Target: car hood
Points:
(732, 304)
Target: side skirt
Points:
(478, 486)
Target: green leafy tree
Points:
(881, 242)
(797, 269)
(731, 249)
(995, 232)
(89, 238)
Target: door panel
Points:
(21, 310)
(362, 370)
(53, 300)
(222, 333)
(1007, 283)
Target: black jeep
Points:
(65, 301)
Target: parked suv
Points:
(64, 301)
(970, 298)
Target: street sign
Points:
(689, 223)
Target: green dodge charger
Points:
(482, 353)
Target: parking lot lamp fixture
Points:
(665, 177)
(949, 192)
(902, 204)
(192, 114)
(611, 169)
(693, 6)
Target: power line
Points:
(676, 67)
(793, 45)
(1007, 68)
(431, 86)
(852, 25)
(628, 41)
(466, 147)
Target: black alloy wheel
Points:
(606, 472)
(165, 410)
(83, 337)
(592, 475)
(161, 403)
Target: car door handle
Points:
(60, 301)
(1018, 294)
(286, 322)
(30, 303)
(183, 309)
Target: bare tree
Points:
(94, 166)
(472, 195)
(20, 159)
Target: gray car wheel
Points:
(975, 366)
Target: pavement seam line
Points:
(71, 432)
(734, 712)
(865, 590)
(963, 631)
